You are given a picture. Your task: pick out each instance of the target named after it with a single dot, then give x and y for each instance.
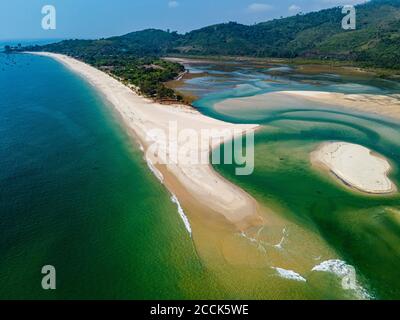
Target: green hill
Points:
(375, 42)
(318, 35)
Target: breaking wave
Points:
(289, 274)
(185, 220)
(155, 171)
(346, 272)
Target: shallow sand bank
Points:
(384, 105)
(142, 116)
(356, 166)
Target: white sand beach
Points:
(356, 166)
(384, 105)
(142, 116)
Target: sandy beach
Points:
(142, 117)
(384, 105)
(356, 166)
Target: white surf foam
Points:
(244, 235)
(262, 245)
(280, 244)
(289, 274)
(343, 270)
(155, 171)
(338, 267)
(185, 220)
(258, 243)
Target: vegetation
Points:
(17, 48)
(131, 60)
(317, 35)
(146, 74)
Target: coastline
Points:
(198, 185)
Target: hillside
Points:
(375, 42)
(318, 35)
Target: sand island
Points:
(356, 166)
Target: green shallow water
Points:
(364, 230)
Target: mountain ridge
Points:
(317, 35)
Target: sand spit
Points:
(142, 116)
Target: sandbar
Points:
(356, 166)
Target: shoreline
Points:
(196, 184)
